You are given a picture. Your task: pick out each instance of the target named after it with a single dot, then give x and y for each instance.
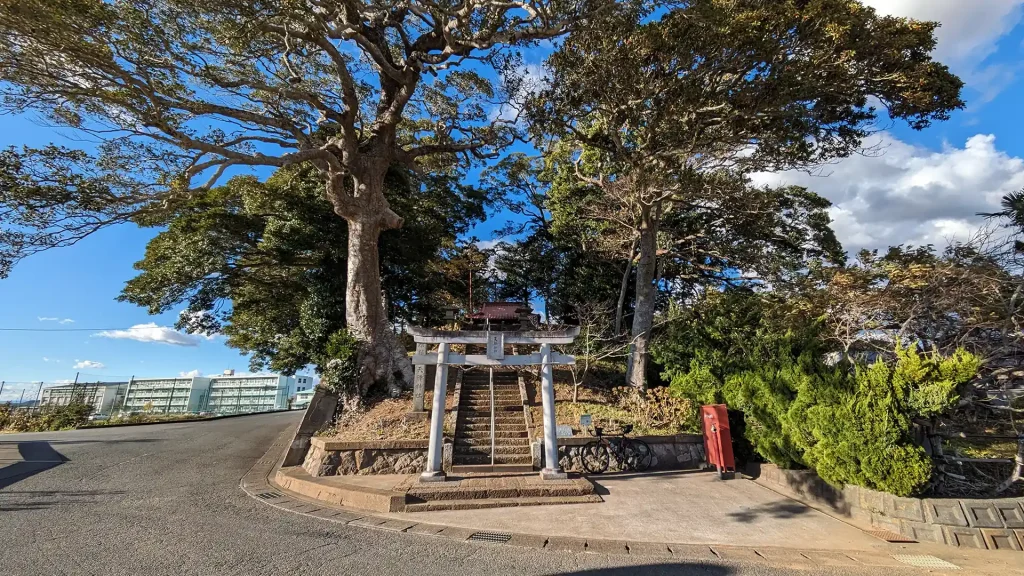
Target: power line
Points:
(82, 329)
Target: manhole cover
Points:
(925, 561)
(890, 536)
(268, 495)
(500, 537)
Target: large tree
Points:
(260, 262)
(182, 92)
(661, 93)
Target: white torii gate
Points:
(495, 356)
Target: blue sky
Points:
(922, 187)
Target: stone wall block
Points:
(851, 495)
(904, 508)
(879, 520)
(1020, 536)
(964, 537)
(945, 512)
(1000, 539)
(871, 500)
(347, 463)
(1011, 513)
(922, 531)
(982, 514)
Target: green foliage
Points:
(850, 421)
(51, 418)
(340, 365)
(265, 263)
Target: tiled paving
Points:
(256, 482)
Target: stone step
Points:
(506, 410)
(485, 405)
(486, 420)
(487, 442)
(486, 459)
(477, 504)
(485, 450)
(488, 469)
(497, 433)
(508, 487)
(487, 394)
(499, 425)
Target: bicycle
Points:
(631, 453)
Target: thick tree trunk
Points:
(621, 305)
(383, 360)
(646, 291)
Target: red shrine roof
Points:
(501, 311)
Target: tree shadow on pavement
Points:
(35, 457)
(772, 509)
(666, 569)
(14, 500)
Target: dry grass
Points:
(385, 419)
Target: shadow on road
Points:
(773, 509)
(672, 568)
(15, 501)
(33, 458)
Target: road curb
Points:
(258, 484)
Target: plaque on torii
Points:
(495, 356)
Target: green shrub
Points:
(850, 422)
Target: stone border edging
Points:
(996, 524)
(256, 483)
(325, 444)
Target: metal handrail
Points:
(492, 415)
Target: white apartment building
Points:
(167, 395)
(230, 394)
(303, 383)
(103, 396)
(303, 398)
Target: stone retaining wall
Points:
(996, 524)
(678, 452)
(342, 458)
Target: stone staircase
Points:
(472, 450)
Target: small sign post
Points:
(495, 346)
(585, 421)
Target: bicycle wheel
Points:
(638, 455)
(594, 457)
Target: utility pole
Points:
(2, 388)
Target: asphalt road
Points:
(165, 499)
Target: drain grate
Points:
(925, 561)
(890, 536)
(268, 495)
(499, 537)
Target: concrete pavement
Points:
(166, 500)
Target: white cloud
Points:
(48, 359)
(150, 332)
(190, 374)
(968, 35)
(89, 365)
(910, 194)
(54, 319)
